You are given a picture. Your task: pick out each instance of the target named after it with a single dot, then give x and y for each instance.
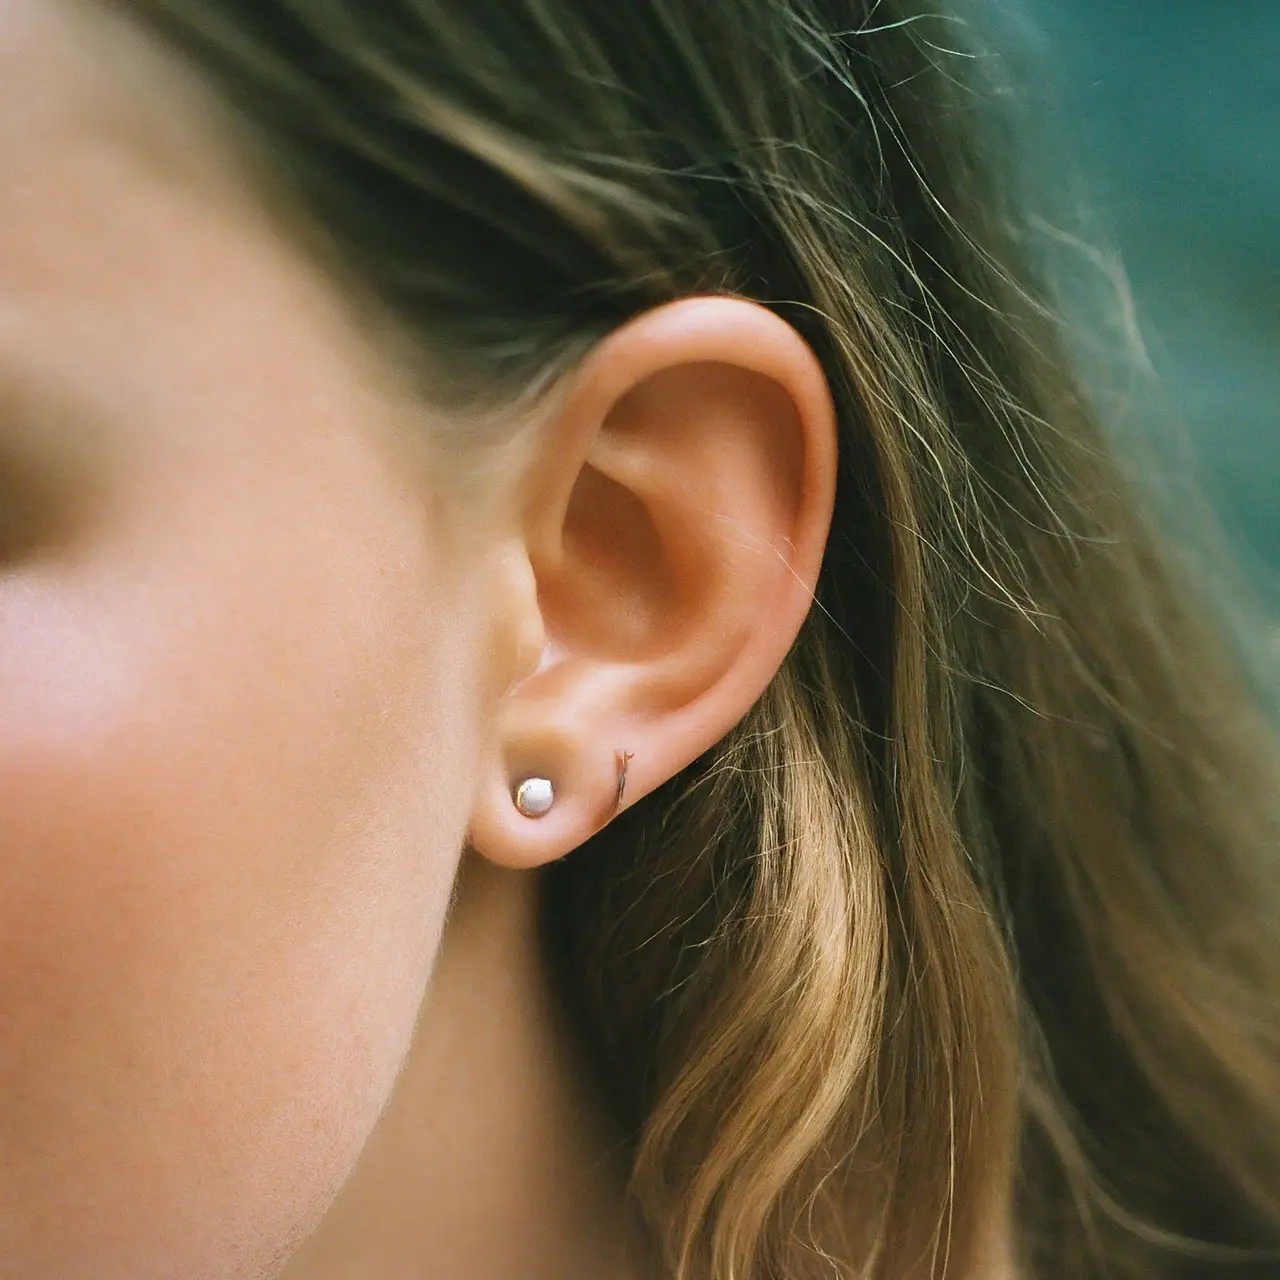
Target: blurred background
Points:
(1173, 107)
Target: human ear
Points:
(674, 517)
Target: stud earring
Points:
(534, 797)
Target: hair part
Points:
(975, 914)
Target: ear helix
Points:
(536, 797)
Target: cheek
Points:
(231, 823)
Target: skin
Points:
(269, 974)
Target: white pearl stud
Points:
(534, 797)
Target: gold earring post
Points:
(624, 758)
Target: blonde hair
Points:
(975, 914)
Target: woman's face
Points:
(240, 695)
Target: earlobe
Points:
(534, 820)
(676, 517)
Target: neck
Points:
(489, 1161)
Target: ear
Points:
(675, 513)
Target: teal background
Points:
(1173, 107)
